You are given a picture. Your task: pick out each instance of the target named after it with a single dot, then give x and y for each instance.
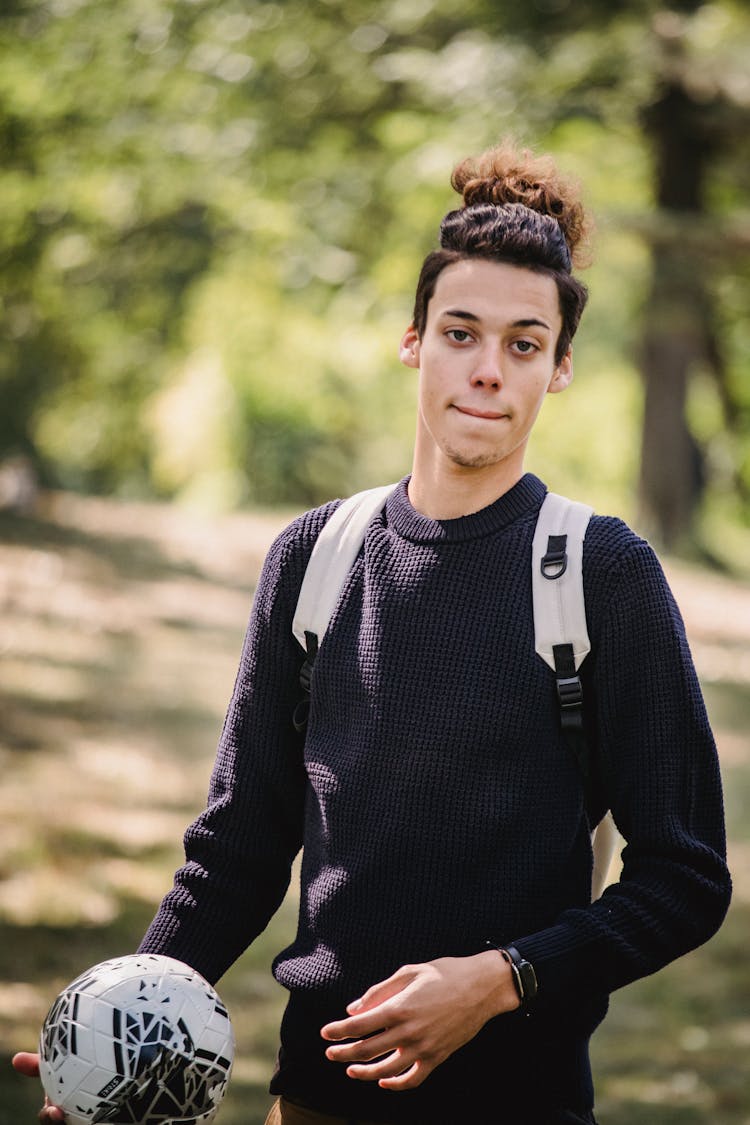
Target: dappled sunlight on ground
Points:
(717, 618)
(120, 631)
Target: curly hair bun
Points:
(507, 175)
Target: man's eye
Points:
(525, 346)
(460, 335)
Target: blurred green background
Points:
(212, 216)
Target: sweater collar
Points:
(524, 497)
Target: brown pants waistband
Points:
(284, 1112)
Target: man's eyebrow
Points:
(461, 314)
(523, 322)
(530, 322)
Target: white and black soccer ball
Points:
(138, 1040)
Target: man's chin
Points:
(471, 459)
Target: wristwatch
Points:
(524, 977)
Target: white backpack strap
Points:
(332, 558)
(557, 578)
(561, 638)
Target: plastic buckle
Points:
(555, 561)
(570, 692)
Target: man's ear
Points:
(563, 375)
(409, 349)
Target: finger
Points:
(408, 1079)
(364, 1049)
(374, 1011)
(378, 993)
(51, 1113)
(355, 1027)
(26, 1063)
(393, 1065)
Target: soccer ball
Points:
(138, 1040)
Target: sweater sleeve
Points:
(239, 851)
(661, 777)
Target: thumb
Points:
(26, 1063)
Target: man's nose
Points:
(488, 373)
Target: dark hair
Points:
(518, 209)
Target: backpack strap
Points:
(561, 639)
(557, 584)
(560, 634)
(333, 556)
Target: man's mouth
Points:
(473, 412)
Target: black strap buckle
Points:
(570, 697)
(569, 688)
(570, 692)
(555, 562)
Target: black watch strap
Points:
(524, 977)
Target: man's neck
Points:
(445, 491)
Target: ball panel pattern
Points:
(138, 1040)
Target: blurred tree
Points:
(693, 123)
(211, 215)
(149, 153)
(679, 70)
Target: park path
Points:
(120, 630)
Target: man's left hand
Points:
(405, 1026)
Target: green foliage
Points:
(212, 215)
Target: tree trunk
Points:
(675, 319)
(671, 475)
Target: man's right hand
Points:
(27, 1063)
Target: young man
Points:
(445, 835)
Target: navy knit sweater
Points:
(439, 806)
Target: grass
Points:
(119, 635)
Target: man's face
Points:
(486, 360)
